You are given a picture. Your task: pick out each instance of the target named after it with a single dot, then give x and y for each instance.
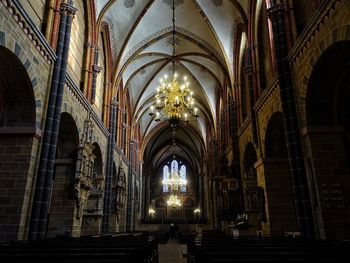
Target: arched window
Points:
(166, 176)
(174, 166)
(172, 179)
(183, 177)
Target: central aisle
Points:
(171, 252)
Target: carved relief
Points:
(84, 174)
(119, 193)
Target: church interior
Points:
(214, 127)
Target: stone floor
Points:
(171, 252)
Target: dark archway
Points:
(17, 145)
(63, 202)
(328, 130)
(280, 216)
(17, 103)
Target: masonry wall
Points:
(77, 44)
(62, 208)
(35, 9)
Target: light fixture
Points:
(174, 100)
(197, 211)
(174, 201)
(151, 212)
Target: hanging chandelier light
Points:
(174, 100)
(174, 201)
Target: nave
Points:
(223, 122)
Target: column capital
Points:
(68, 9)
(275, 9)
(114, 102)
(96, 68)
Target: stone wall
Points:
(77, 44)
(35, 9)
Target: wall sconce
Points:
(151, 212)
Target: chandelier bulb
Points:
(166, 76)
(175, 75)
(185, 78)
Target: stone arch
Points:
(18, 142)
(274, 179)
(327, 114)
(338, 34)
(63, 202)
(17, 103)
(9, 45)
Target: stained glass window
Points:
(173, 172)
(183, 177)
(174, 166)
(166, 176)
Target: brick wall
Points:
(16, 175)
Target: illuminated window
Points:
(173, 178)
(174, 167)
(183, 177)
(166, 175)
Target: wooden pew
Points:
(133, 248)
(216, 248)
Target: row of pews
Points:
(120, 248)
(214, 247)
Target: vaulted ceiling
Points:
(141, 36)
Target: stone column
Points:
(302, 201)
(131, 187)
(42, 195)
(249, 71)
(109, 172)
(142, 192)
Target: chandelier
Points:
(174, 201)
(174, 100)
